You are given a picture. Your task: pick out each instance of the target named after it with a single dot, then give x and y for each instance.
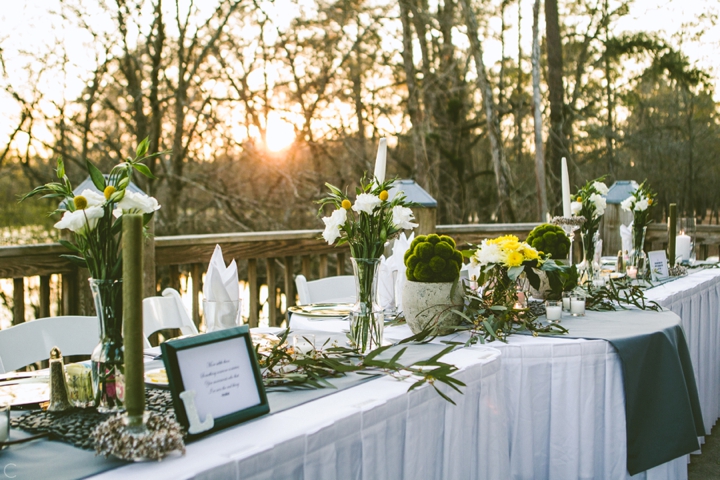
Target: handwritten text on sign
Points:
(221, 376)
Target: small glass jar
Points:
(577, 305)
(553, 310)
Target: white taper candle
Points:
(565, 189)
(381, 161)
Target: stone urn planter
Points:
(426, 303)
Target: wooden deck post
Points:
(254, 316)
(289, 282)
(18, 300)
(272, 292)
(44, 296)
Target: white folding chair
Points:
(32, 341)
(340, 289)
(164, 312)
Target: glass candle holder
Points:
(632, 271)
(79, 381)
(303, 343)
(553, 310)
(566, 301)
(577, 305)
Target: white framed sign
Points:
(658, 264)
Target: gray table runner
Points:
(59, 461)
(662, 408)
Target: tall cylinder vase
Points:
(366, 317)
(108, 357)
(589, 243)
(638, 258)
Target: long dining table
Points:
(532, 408)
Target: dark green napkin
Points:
(662, 409)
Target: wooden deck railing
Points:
(264, 258)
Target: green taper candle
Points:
(672, 231)
(132, 251)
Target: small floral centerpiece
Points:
(95, 220)
(590, 203)
(366, 225)
(639, 203)
(495, 311)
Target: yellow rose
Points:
(514, 259)
(80, 202)
(346, 204)
(109, 190)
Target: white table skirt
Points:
(376, 430)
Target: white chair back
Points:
(32, 341)
(340, 289)
(164, 312)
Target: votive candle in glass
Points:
(553, 310)
(632, 271)
(577, 305)
(566, 301)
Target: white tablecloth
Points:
(376, 430)
(547, 408)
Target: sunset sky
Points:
(30, 27)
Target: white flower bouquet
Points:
(640, 204)
(366, 226)
(370, 222)
(590, 203)
(96, 219)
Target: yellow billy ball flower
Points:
(346, 204)
(579, 199)
(80, 202)
(109, 190)
(383, 195)
(515, 259)
(650, 201)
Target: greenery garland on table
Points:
(284, 367)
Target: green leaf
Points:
(79, 261)
(142, 148)
(144, 170)
(60, 168)
(514, 272)
(96, 175)
(69, 246)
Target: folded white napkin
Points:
(386, 284)
(397, 263)
(626, 236)
(221, 282)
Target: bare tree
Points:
(537, 117)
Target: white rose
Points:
(366, 202)
(628, 204)
(402, 217)
(575, 207)
(642, 205)
(601, 188)
(81, 220)
(489, 253)
(333, 224)
(137, 203)
(600, 204)
(93, 198)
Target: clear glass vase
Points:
(590, 266)
(638, 259)
(108, 357)
(366, 317)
